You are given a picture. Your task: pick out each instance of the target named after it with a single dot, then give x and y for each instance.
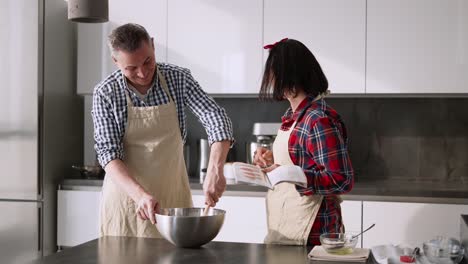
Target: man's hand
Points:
(263, 157)
(147, 206)
(215, 182)
(214, 186)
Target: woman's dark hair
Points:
(291, 67)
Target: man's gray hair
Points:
(127, 38)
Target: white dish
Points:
(390, 254)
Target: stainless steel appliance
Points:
(203, 157)
(203, 149)
(40, 123)
(189, 227)
(265, 134)
(464, 233)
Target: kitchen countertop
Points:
(117, 250)
(365, 190)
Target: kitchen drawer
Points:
(352, 217)
(77, 216)
(246, 217)
(411, 223)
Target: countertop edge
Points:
(258, 192)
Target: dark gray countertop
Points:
(126, 250)
(365, 190)
(388, 188)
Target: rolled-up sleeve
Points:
(330, 171)
(214, 119)
(107, 137)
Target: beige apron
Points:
(154, 156)
(290, 216)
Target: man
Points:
(139, 129)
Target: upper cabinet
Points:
(334, 30)
(418, 46)
(219, 41)
(93, 56)
(151, 14)
(363, 46)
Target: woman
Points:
(312, 136)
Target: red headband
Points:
(270, 46)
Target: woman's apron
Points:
(154, 156)
(290, 216)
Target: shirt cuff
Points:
(221, 137)
(105, 158)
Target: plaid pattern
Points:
(318, 144)
(109, 110)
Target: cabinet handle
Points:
(39, 229)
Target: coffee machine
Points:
(265, 134)
(204, 150)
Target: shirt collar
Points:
(125, 84)
(290, 117)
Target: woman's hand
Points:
(263, 157)
(270, 168)
(147, 206)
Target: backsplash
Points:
(414, 139)
(411, 139)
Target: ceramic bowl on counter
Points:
(339, 243)
(188, 227)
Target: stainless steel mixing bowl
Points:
(187, 227)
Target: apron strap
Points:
(293, 125)
(164, 85)
(129, 100)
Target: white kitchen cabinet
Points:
(245, 219)
(77, 216)
(351, 212)
(410, 223)
(418, 46)
(219, 41)
(94, 61)
(334, 30)
(246, 222)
